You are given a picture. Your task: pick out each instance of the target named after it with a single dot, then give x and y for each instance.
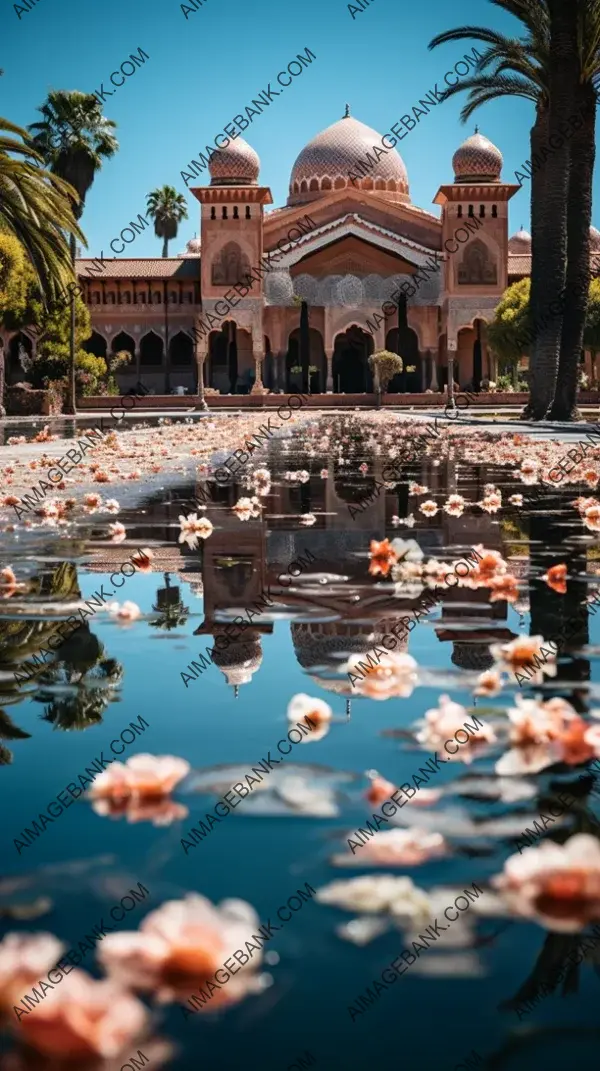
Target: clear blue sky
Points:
(204, 70)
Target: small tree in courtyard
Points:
(385, 365)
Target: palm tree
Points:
(37, 208)
(169, 606)
(74, 138)
(519, 68)
(533, 64)
(167, 208)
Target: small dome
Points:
(343, 156)
(521, 242)
(193, 247)
(477, 160)
(594, 240)
(236, 165)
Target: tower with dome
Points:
(372, 270)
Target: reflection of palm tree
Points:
(79, 663)
(172, 613)
(92, 686)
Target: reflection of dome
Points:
(521, 242)
(239, 661)
(236, 165)
(475, 656)
(594, 240)
(318, 643)
(477, 160)
(324, 164)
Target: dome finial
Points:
(347, 113)
(476, 128)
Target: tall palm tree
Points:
(515, 67)
(37, 208)
(74, 138)
(533, 64)
(582, 145)
(167, 208)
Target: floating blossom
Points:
(143, 560)
(455, 505)
(394, 675)
(318, 713)
(518, 656)
(408, 522)
(117, 532)
(504, 588)
(245, 508)
(182, 945)
(379, 789)
(491, 502)
(488, 683)
(193, 526)
(442, 722)
(84, 1018)
(556, 578)
(124, 613)
(557, 885)
(324, 474)
(112, 505)
(307, 519)
(417, 489)
(429, 508)
(543, 733)
(516, 500)
(261, 480)
(8, 583)
(24, 958)
(398, 896)
(395, 847)
(92, 501)
(383, 556)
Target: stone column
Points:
(451, 348)
(329, 381)
(281, 368)
(433, 384)
(201, 352)
(425, 370)
(258, 386)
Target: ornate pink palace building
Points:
(363, 240)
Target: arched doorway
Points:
(472, 363)
(95, 344)
(230, 360)
(19, 358)
(151, 350)
(123, 343)
(351, 372)
(293, 379)
(405, 342)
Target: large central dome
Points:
(329, 160)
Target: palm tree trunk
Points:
(304, 347)
(538, 139)
(564, 69)
(165, 251)
(3, 353)
(69, 406)
(579, 218)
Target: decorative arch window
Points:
(156, 297)
(459, 212)
(477, 267)
(96, 297)
(110, 298)
(494, 211)
(326, 183)
(482, 211)
(379, 184)
(151, 349)
(248, 215)
(190, 297)
(340, 183)
(230, 266)
(213, 212)
(224, 212)
(173, 297)
(391, 185)
(314, 185)
(471, 212)
(127, 297)
(236, 214)
(368, 184)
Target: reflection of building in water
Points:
(234, 575)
